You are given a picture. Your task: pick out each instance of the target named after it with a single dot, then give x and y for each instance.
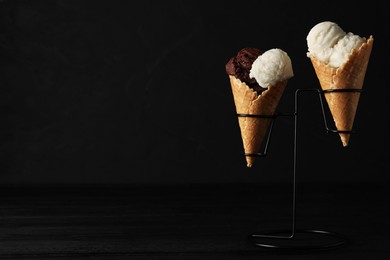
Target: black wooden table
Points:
(199, 221)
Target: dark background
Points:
(97, 92)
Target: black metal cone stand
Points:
(298, 239)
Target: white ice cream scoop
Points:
(271, 67)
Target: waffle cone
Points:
(350, 75)
(247, 101)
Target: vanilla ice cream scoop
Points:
(328, 43)
(322, 37)
(271, 67)
(343, 48)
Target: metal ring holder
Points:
(299, 239)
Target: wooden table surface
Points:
(199, 221)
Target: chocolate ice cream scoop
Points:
(240, 66)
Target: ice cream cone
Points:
(247, 101)
(350, 75)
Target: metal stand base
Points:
(301, 241)
(295, 239)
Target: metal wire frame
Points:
(276, 236)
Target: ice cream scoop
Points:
(241, 64)
(271, 67)
(321, 38)
(343, 48)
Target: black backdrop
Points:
(118, 92)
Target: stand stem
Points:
(339, 240)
